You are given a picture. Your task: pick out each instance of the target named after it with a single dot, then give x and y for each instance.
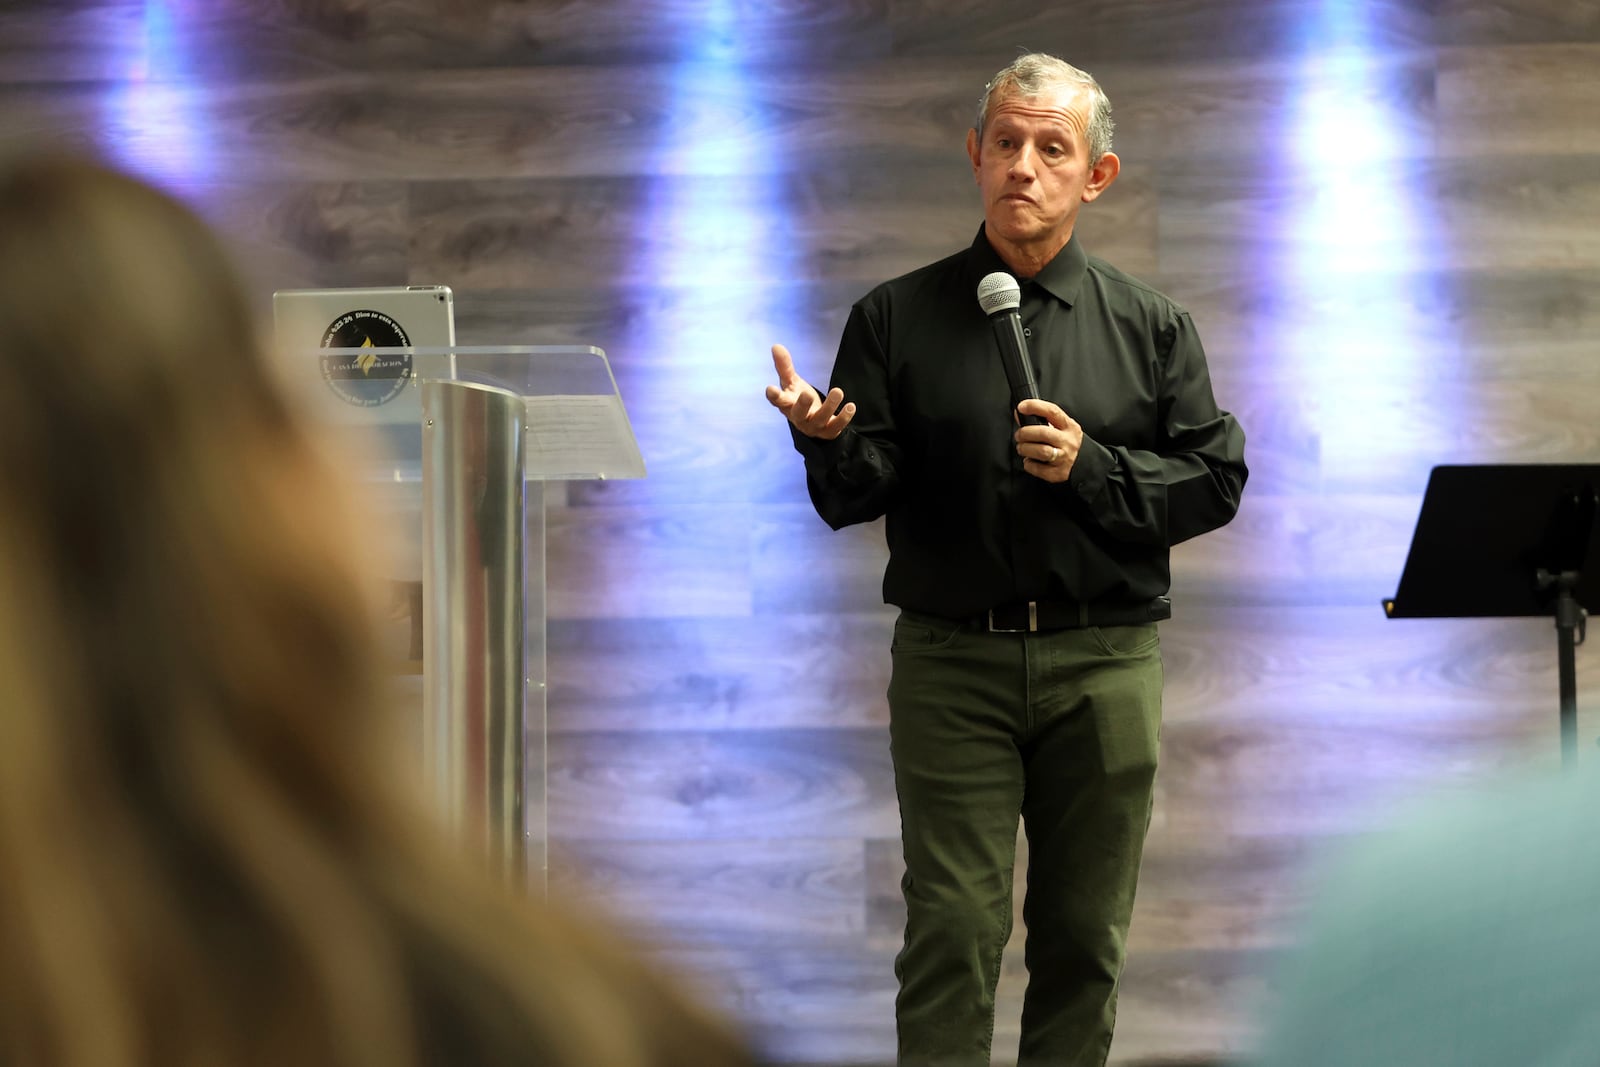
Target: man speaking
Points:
(1028, 554)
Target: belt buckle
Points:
(1032, 627)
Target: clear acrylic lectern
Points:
(456, 445)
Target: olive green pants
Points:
(1061, 729)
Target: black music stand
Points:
(1509, 541)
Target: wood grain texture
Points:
(1516, 99)
(536, 122)
(824, 1000)
(1257, 112)
(101, 41)
(1496, 22)
(1458, 215)
(772, 784)
(301, 37)
(783, 670)
(1469, 326)
(1101, 30)
(644, 564)
(311, 235)
(1352, 666)
(709, 890)
(862, 224)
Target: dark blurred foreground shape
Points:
(1467, 935)
(209, 850)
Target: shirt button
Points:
(1027, 331)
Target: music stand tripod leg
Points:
(1570, 631)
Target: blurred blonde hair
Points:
(207, 854)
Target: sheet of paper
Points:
(580, 437)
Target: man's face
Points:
(1033, 169)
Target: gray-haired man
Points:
(1030, 564)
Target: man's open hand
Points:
(813, 415)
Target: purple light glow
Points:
(154, 125)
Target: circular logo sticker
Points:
(373, 377)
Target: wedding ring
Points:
(1055, 454)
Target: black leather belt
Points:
(1038, 615)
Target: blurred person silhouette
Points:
(1467, 933)
(208, 852)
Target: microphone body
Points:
(1001, 298)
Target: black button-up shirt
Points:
(931, 444)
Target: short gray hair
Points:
(1032, 74)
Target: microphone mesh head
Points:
(999, 292)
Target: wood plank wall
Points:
(1384, 215)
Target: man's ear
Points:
(1101, 175)
(973, 152)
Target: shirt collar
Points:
(1061, 277)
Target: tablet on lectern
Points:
(382, 383)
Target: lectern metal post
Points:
(1571, 621)
(473, 556)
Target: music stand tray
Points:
(1508, 541)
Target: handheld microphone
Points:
(1000, 297)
